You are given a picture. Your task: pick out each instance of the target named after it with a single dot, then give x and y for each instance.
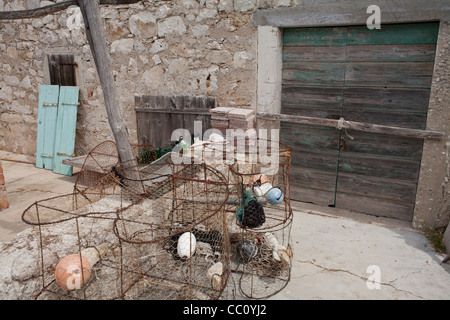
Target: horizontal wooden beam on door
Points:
(361, 126)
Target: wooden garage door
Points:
(373, 76)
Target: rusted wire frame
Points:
(285, 153)
(180, 201)
(179, 204)
(100, 215)
(281, 223)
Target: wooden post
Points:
(3, 199)
(96, 38)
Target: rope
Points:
(340, 126)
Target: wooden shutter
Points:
(57, 116)
(65, 129)
(62, 69)
(47, 116)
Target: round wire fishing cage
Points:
(158, 233)
(183, 242)
(259, 215)
(77, 250)
(261, 243)
(95, 176)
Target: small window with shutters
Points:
(62, 69)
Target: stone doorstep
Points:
(241, 111)
(242, 117)
(241, 127)
(219, 125)
(218, 119)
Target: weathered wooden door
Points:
(374, 76)
(158, 116)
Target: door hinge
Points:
(65, 154)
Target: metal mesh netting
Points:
(162, 236)
(154, 229)
(259, 215)
(261, 247)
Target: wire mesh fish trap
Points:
(184, 247)
(260, 242)
(75, 242)
(99, 171)
(109, 240)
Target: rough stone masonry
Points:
(188, 47)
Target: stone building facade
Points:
(227, 49)
(186, 47)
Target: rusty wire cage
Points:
(261, 241)
(157, 233)
(259, 214)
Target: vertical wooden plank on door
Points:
(388, 81)
(312, 85)
(65, 129)
(47, 116)
(176, 119)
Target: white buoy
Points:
(262, 189)
(278, 251)
(186, 245)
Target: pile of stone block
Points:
(227, 120)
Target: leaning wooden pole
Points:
(96, 38)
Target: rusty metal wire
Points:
(140, 210)
(261, 246)
(259, 229)
(140, 220)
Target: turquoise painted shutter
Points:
(65, 129)
(47, 115)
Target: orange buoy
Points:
(68, 272)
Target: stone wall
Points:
(433, 192)
(188, 47)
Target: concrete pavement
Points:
(26, 184)
(337, 254)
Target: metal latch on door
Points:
(65, 154)
(46, 155)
